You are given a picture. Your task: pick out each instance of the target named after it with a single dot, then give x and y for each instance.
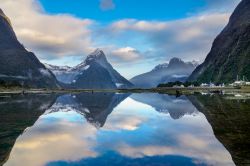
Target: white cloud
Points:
(138, 25)
(126, 53)
(66, 136)
(123, 123)
(62, 134)
(107, 4)
(50, 35)
(188, 38)
(222, 5)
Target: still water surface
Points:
(109, 129)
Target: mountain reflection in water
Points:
(120, 129)
(16, 114)
(230, 122)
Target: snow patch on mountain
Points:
(161, 66)
(57, 68)
(45, 72)
(86, 67)
(179, 75)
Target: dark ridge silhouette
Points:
(230, 122)
(230, 53)
(19, 65)
(17, 113)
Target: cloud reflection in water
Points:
(133, 131)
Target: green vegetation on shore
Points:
(178, 83)
(9, 84)
(163, 90)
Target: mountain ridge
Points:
(175, 70)
(230, 53)
(93, 72)
(19, 66)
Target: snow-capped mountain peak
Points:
(161, 66)
(92, 72)
(97, 56)
(98, 53)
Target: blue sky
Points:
(136, 33)
(139, 9)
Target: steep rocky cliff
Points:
(17, 64)
(230, 53)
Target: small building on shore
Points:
(241, 82)
(210, 85)
(204, 85)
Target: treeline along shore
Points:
(167, 90)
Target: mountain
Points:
(94, 72)
(175, 70)
(230, 53)
(17, 64)
(60, 72)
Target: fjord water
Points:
(123, 129)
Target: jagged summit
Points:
(176, 63)
(161, 66)
(175, 60)
(172, 62)
(98, 56)
(98, 53)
